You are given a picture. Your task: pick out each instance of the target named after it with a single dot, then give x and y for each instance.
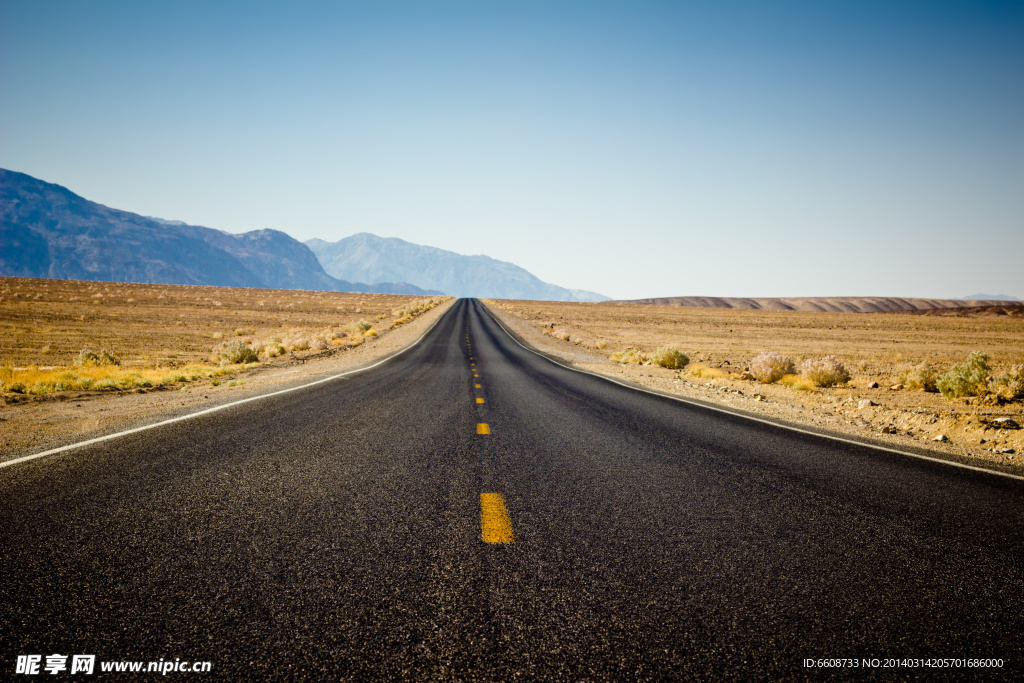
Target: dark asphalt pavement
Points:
(335, 533)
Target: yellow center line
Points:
(483, 428)
(479, 400)
(495, 526)
(477, 386)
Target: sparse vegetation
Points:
(234, 352)
(33, 380)
(826, 372)
(969, 378)
(921, 377)
(629, 357)
(89, 358)
(158, 329)
(771, 367)
(1009, 385)
(669, 357)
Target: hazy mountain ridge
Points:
(370, 258)
(990, 297)
(48, 231)
(829, 304)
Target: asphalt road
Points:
(335, 533)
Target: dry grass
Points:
(701, 371)
(798, 382)
(33, 380)
(153, 329)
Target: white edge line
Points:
(214, 409)
(749, 417)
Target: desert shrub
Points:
(235, 352)
(668, 357)
(318, 344)
(827, 372)
(371, 333)
(361, 327)
(87, 358)
(771, 367)
(601, 344)
(560, 334)
(17, 387)
(272, 349)
(1009, 385)
(966, 379)
(107, 358)
(797, 382)
(629, 357)
(921, 377)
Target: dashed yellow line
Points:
(483, 428)
(479, 400)
(495, 526)
(477, 386)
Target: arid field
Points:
(882, 341)
(880, 349)
(47, 322)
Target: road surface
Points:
(338, 532)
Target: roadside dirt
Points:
(29, 424)
(723, 341)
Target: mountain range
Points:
(48, 231)
(370, 258)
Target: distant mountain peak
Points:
(371, 258)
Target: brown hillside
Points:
(830, 304)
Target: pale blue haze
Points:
(632, 148)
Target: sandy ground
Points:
(907, 419)
(35, 423)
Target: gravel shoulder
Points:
(903, 420)
(37, 423)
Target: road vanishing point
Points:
(471, 510)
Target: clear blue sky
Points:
(633, 148)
